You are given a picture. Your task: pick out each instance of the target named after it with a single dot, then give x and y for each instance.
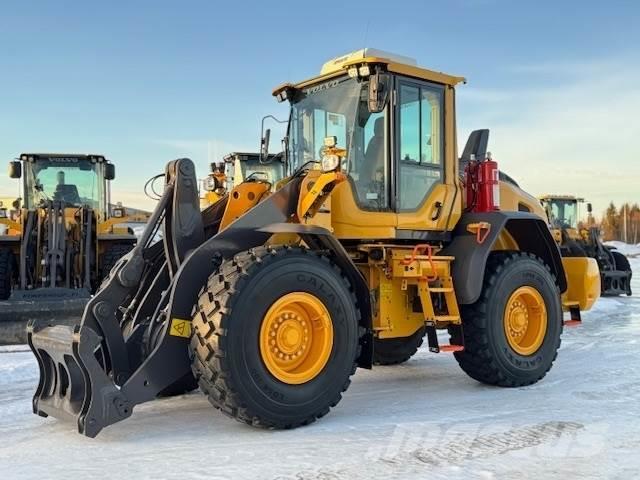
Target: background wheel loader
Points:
(62, 239)
(236, 168)
(583, 278)
(270, 301)
(576, 242)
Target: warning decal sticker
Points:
(180, 328)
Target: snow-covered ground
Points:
(625, 248)
(424, 419)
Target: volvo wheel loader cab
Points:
(271, 301)
(578, 242)
(214, 186)
(242, 166)
(60, 239)
(239, 167)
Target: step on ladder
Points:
(426, 292)
(576, 318)
(452, 317)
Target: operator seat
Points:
(67, 193)
(374, 154)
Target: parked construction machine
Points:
(239, 167)
(584, 241)
(271, 301)
(62, 237)
(214, 186)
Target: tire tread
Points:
(477, 359)
(209, 357)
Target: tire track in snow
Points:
(495, 444)
(462, 449)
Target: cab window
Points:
(420, 147)
(328, 124)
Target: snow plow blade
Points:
(73, 385)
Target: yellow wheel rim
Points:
(296, 338)
(525, 320)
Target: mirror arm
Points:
(263, 137)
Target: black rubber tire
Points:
(620, 260)
(7, 269)
(487, 356)
(112, 254)
(225, 343)
(393, 351)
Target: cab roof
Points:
(395, 63)
(551, 197)
(76, 156)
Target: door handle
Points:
(436, 214)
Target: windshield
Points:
(564, 214)
(339, 108)
(271, 172)
(78, 183)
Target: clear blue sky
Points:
(147, 81)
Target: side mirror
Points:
(264, 145)
(589, 208)
(378, 92)
(15, 169)
(109, 171)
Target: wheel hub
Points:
(525, 320)
(296, 338)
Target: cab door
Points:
(422, 198)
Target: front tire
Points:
(276, 336)
(112, 254)
(7, 266)
(512, 333)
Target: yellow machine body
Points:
(403, 301)
(272, 296)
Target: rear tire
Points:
(226, 348)
(393, 351)
(489, 356)
(7, 268)
(112, 254)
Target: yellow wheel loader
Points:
(576, 242)
(270, 301)
(214, 186)
(58, 243)
(236, 168)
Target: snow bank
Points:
(625, 248)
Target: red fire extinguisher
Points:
(483, 185)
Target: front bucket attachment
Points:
(55, 306)
(73, 384)
(615, 282)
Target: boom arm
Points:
(80, 367)
(96, 373)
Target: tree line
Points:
(621, 223)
